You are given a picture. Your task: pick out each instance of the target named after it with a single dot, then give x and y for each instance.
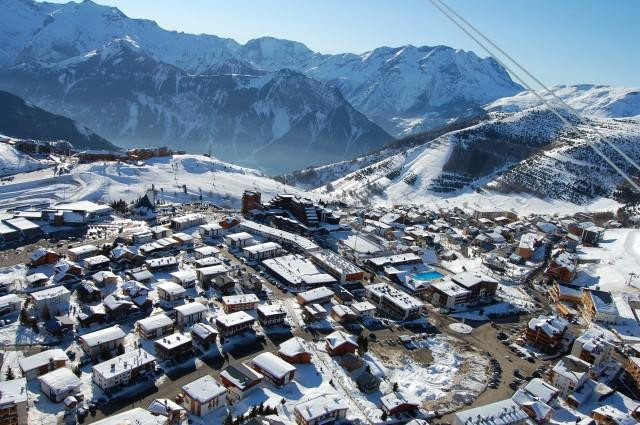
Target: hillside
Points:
(20, 119)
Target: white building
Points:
(10, 303)
(103, 340)
(59, 384)
(120, 370)
(138, 416)
(239, 240)
(54, 298)
(187, 221)
(154, 326)
(203, 396)
(190, 313)
(262, 251)
(393, 302)
(569, 374)
(321, 295)
(363, 309)
(13, 402)
(205, 251)
(593, 347)
(277, 235)
(170, 292)
(505, 412)
(211, 230)
(297, 271)
(337, 266)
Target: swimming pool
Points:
(430, 275)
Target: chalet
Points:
(43, 256)
(271, 314)
(240, 380)
(207, 274)
(321, 295)
(262, 251)
(242, 302)
(59, 325)
(160, 232)
(154, 326)
(204, 334)
(103, 340)
(339, 343)
(351, 362)
(342, 313)
(562, 266)
(190, 313)
(363, 309)
(133, 288)
(121, 370)
(367, 382)
(314, 312)
(205, 252)
(536, 400)
(184, 241)
(92, 314)
(59, 383)
(394, 403)
(161, 264)
(66, 272)
(231, 324)
(273, 368)
(598, 306)
(96, 263)
(321, 410)
(172, 346)
(118, 307)
(13, 402)
(185, 278)
(122, 255)
(295, 350)
(187, 221)
(211, 230)
(142, 237)
(141, 275)
(566, 293)
(207, 262)
(88, 292)
(43, 362)
(593, 347)
(225, 283)
(203, 396)
(81, 252)
(36, 279)
(546, 332)
(239, 240)
(527, 245)
(9, 304)
(104, 277)
(54, 299)
(170, 292)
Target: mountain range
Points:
(255, 103)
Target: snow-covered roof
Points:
(240, 236)
(162, 262)
(541, 390)
(449, 287)
(528, 241)
(184, 275)
(271, 309)
(395, 259)
(316, 294)
(22, 223)
(155, 322)
(213, 270)
(207, 251)
(84, 249)
(38, 253)
(103, 335)
(136, 416)
(41, 359)
(262, 247)
(171, 288)
(86, 206)
(297, 269)
(234, 319)
(395, 399)
(10, 299)
(470, 279)
(163, 406)
(335, 262)
(279, 235)
(13, 392)
(273, 365)
(48, 293)
(363, 307)
(203, 330)
(95, 260)
(503, 412)
(342, 310)
(204, 389)
(61, 380)
(319, 406)
(190, 308)
(572, 368)
(399, 298)
(174, 340)
(337, 338)
(294, 346)
(240, 375)
(551, 325)
(240, 299)
(539, 408)
(123, 363)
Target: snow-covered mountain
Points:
(530, 152)
(19, 119)
(588, 99)
(267, 119)
(403, 90)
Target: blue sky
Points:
(561, 42)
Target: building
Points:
(566, 293)
(9, 304)
(103, 340)
(43, 362)
(379, 263)
(568, 375)
(121, 370)
(271, 314)
(337, 266)
(28, 230)
(203, 333)
(527, 245)
(392, 302)
(478, 284)
(273, 368)
(342, 313)
(562, 266)
(170, 292)
(445, 293)
(632, 367)
(162, 264)
(96, 263)
(251, 200)
(242, 302)
(54, 299)
(296, 271)
(231, 324)
(262, 251)
(321, 410)
(295, 350)
(239, 240)
(363, 309)
(598, 306)
(205, 252)
(395, 403)
(138, 416)
(185, 278)
(13, 402)
(208, 274)
(203, 396)
(505, 412)
(339, 343)
(79, 253)
(536, 400)
(42, 256)
(59, 384)
(190, 313)
(593, 347)
(287, 239)
(314, 312)
(321, 295)
(180, 223)
(546, 332)
(240, 380)
(154, 326)
(211, 230)
(172, 346)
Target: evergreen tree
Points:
(10, 375)
(395, 387)
(383, 416)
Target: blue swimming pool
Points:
(430, 275)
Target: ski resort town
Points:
(291, 310)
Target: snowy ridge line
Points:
(530, 89)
